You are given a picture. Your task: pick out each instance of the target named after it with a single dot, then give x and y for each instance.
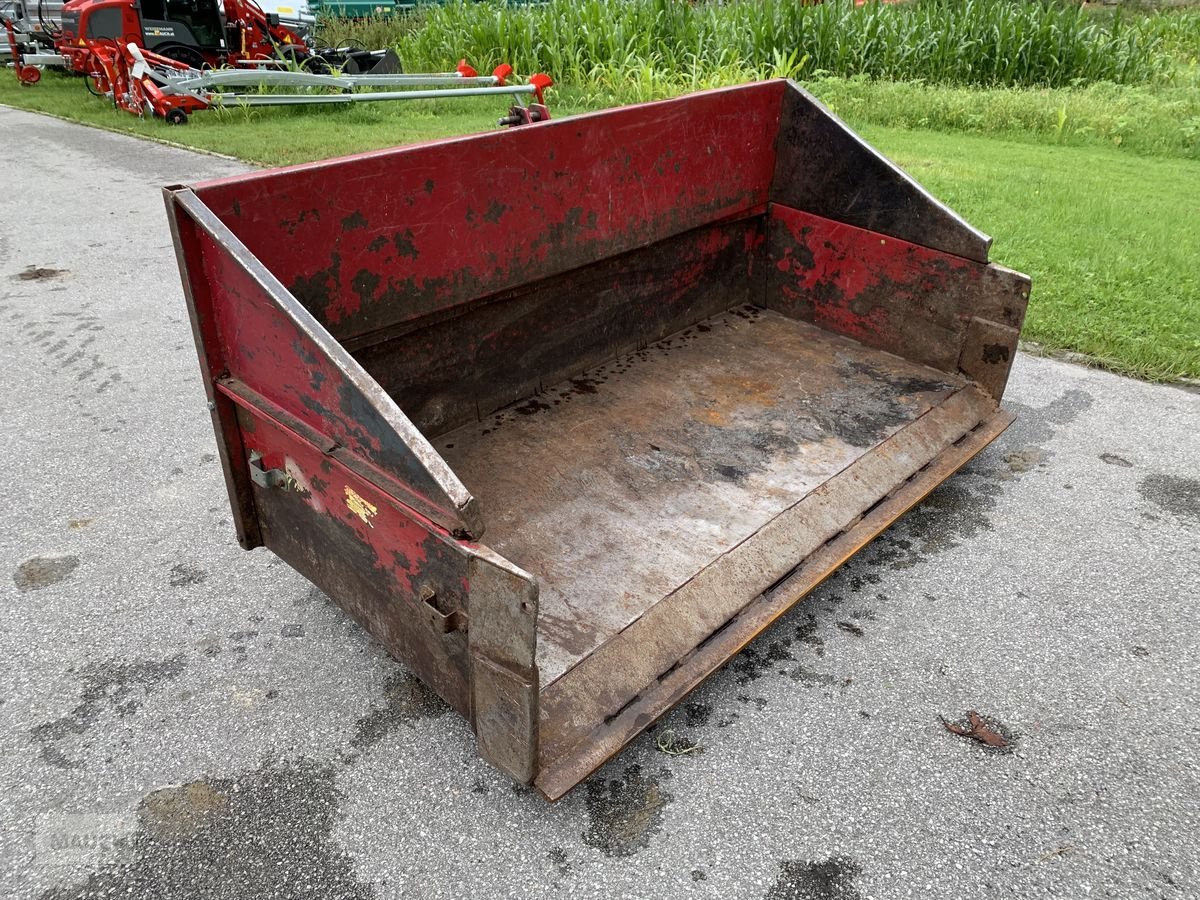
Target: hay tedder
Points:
(567, 428)
(144, 83)
(170, 58)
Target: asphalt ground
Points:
(179, 718)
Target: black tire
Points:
(189, 56)
(176, 116)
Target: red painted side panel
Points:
(360, 546)
(369, 241)
(882, 291)
(259, 344)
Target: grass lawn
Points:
(1111, 238)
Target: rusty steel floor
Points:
(618, 486)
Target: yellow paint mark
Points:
(360, 507)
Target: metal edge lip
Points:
(467, 506)
(559, 778)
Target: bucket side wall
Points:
(370, 242)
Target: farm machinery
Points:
(200, 34)
(31, 29)
(143, 82)
(170, 58)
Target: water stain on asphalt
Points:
(175, 812)
(806, 633)
(1113, 460)
(956, 511)
(829, 879)
(697, 714)
(43, 571)
(1021, 461)
(38, 273)
(1173, 494)
(624, 814)
(267, 833)
(558, 856)
(114, 685)
(756, 660)
(406, 701)
(1036, 425)
(183, 575)
(808, 676)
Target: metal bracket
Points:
(442, 622)
(267, 478)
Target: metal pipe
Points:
(231, 99)
(308, 79)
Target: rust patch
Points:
(994, 354)
(494, 212)
(317, 292)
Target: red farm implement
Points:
(145, 83)
(566, 415)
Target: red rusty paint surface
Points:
(375, 557)
(885, 292)
(408, 549)
(260, 345)
(377, 239)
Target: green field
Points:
(1110, 235)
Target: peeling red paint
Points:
(478, 229)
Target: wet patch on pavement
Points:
(625, 813)
(407, 700)
(1173, 494)
(1036, 425)
(1024, 460)
(38, 273)
(43, 571)
(114, 685)
(829, 879)
(183, 575)
(558, 858)
(810, 678)
(697, 714)
(265, 834)
(956, 511)
(756, 661)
